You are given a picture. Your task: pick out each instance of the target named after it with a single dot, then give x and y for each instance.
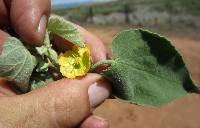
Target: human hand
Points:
(39, 108)
(64, 103)
(32, 109)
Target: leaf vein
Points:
(164, 78)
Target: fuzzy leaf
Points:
(147, 70)
(39, 80)
(16, 63)
(65, 29)
(47, 55)
(42, 66)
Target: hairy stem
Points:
(98, 64)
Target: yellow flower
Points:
(75, 62)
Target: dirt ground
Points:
(183, 113)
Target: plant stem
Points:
(98, 64)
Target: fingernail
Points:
(98, 92)
(42, 25)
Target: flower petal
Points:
(76, 62)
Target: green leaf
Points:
(42, 66)
(47, 55)
(65, 29)
(39, 80)
(16, 63)
(147, 70)
(52, 55)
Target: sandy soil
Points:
(183, 113)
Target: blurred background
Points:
(179, 20)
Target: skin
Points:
(65, 103)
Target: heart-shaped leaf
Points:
(147, 70)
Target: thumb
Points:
(29, 19)
(65, 103)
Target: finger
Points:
(64, 103)
(29, 19)
(3, 14)
(95, 122)
(3, 37)
(5, 88)
(97, 48)
(7, 3)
